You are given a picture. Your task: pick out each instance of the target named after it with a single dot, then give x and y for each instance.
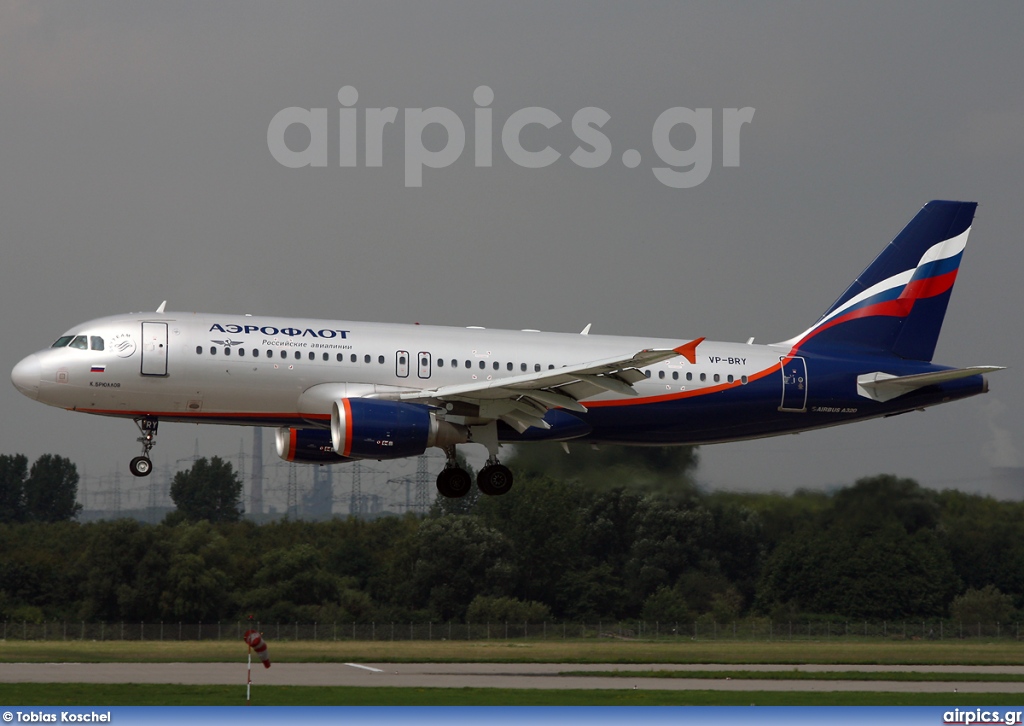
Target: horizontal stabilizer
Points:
(883, 387)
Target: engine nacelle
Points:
(310, 446)
(367, 428)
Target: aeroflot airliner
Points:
(340, 391)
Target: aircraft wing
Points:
(521, 401)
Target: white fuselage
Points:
(255, 369)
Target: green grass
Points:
(795, 675)
(526, 651)
(91, 694)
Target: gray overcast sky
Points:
(134, 168)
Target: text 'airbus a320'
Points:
(340, 391)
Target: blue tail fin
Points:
(896, 306)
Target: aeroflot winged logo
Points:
(123, 345)
(271, 330)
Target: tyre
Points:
(494, 480)
(453, 483)
(140, 466)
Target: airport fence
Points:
(755, 629)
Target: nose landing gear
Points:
(142, 465)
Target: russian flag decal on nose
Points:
(98, 369)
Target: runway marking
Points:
(365, 668)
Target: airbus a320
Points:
(340, 391)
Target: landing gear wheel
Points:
(494, 479)
(453, 482)
(140, 466)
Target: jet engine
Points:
(308, 446)
(367, 428)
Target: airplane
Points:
(342, 391)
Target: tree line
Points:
(599, 535)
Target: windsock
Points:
(252, 637)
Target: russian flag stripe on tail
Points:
(896, 306)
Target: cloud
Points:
(999, 451)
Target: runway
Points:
(495, 675)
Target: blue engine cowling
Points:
(367, 428)
(309, 446)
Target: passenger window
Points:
(401, 360)
(213, 351)
(255, 353)
(661, 375)
(551, 367)
(340, 357)
(62, 341)
(689, 376)
(284, 354)
(675, 375)
(297, 355)
(743, 380)
(80, 342)
(703, 376)
(227, 351)
(482, 365)
(95, 342)
(729, 379)
(647, 374)
(469, 364)
(536, 367)
(366, 358)
(380, 359)
(199, 350)
(440, 362)
(353, 358)
(508, 366)
(312, 355)
(522, 367)
(717, 378)
(270, 353)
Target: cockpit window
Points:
(95, 342)
(62, 341)
(81, 342)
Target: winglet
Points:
(689, 350)
(162, 306)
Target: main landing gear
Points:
(494, 478)
(454, 481)
(141, 465)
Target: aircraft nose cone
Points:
(25, 376)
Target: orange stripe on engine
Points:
(348, 427)
(292, 436)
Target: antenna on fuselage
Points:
(162, 306)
